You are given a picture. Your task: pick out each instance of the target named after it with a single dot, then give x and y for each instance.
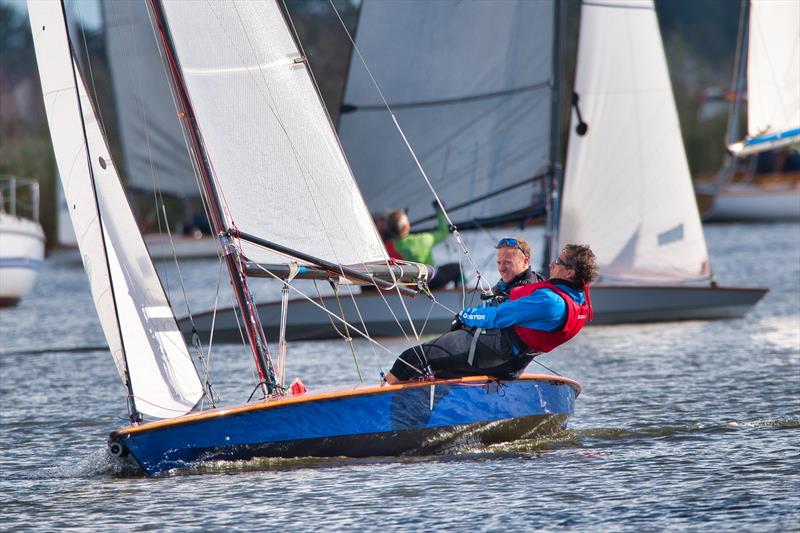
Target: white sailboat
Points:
(265, 153)
(488, 120)
(769, 76)
(21, 238)
(627, 188)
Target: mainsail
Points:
(472, 84)
(136, 318)
(773, 77)
(153, 148)
(627, 189)
(277, 164)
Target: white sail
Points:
(279, 168)
(773, 76)
(471, 84)
(153, 148)
(627, 189)
(136, 318)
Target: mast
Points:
(739, 71)
(133, 413)
(233, 259)
(554, 183)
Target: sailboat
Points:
(487, 115)
(769, 48)
(265, 152)
(21, 238)
(627, 188)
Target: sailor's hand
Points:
(438, 205)
(456, 324)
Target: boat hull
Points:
(412, 418)
(612, 305)
(21, 255)
(771, 198)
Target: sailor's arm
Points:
(543, 310)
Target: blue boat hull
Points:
(405, 419)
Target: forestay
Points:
(134, 313)
(153, 148)
(471, 84)
(773, 72)
(277, 163)
(627, 190)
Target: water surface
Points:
(688, 426)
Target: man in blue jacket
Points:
(525, 317)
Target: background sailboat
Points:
(269, 149)
(464, 105)
(768, 82)
(21, 238)
(627, 188)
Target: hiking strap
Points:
(473, 345)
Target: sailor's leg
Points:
(446, 356)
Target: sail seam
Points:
(451, 101)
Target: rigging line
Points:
(270, 100)
(133, 413)
(194, 164)
(546, 367)
(364, 325)
(456, 234)
(349, 339)
(348, 108)
(325, 310)
(322, 302)
(89, 65)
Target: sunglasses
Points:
(558, 261)
(511, 243)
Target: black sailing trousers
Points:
(448, 356)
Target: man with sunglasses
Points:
(514, 267)
(522, 321)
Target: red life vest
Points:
(544, 341)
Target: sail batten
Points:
(148, 350)
(277, 165)
(471, 84)
(627, 190)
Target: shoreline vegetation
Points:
(699, 39)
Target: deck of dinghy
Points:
(418, 417)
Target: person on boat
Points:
(514, 267)
(418, 247)
(502, 338)
(381, 221)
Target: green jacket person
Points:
(418, 247)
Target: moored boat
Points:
(21, 238)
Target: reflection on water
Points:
(681, 426)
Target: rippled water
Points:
(687, 426)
